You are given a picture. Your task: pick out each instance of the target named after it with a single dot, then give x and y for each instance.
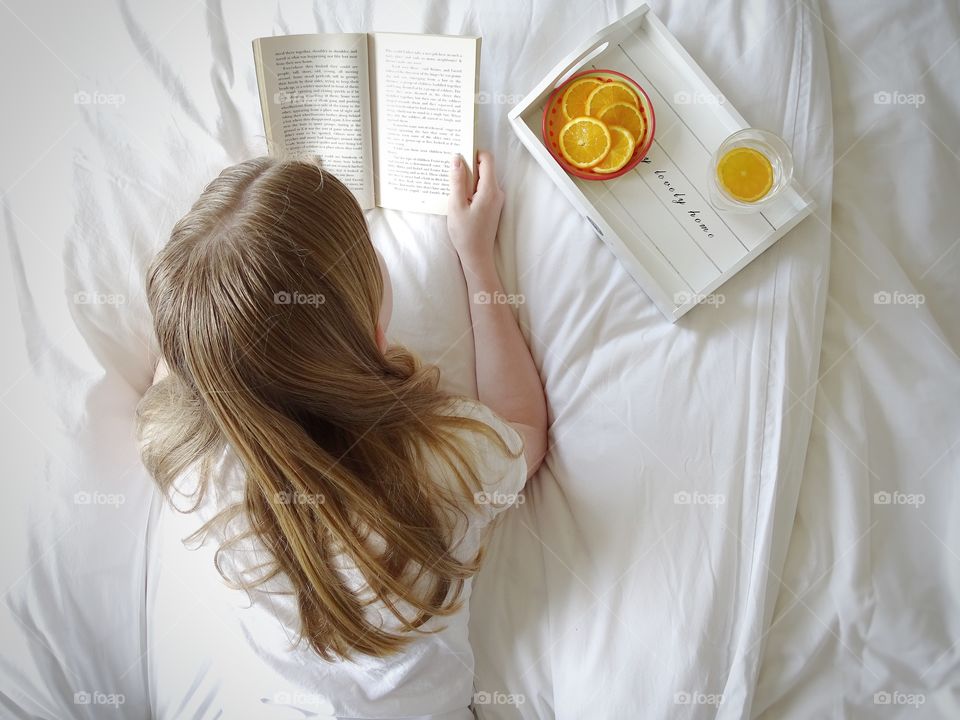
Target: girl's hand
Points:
(473, 217)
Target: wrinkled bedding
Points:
(641, 570)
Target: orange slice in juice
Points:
(584, 142)
(626, 116)
(609, 93)
(574, 102)
(622, 146)
(745, 173)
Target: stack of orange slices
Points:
(604, 124)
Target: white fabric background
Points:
(601, 595)
(868, 610)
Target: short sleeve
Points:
(502, 471)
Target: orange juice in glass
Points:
(748, 170)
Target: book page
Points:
(315, 97)
(424, 90)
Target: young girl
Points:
(348, 495)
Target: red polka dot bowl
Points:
(554, 120)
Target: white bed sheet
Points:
(602, 593)
(867, 622)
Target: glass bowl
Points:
(773, 148)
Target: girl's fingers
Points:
(459, 187)
(486, 177)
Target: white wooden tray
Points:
(657, 219)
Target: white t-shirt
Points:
(212, 648)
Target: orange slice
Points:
(609, 93)
(622, 146)
(745, 173)
(626, 116)
(574, 101)
(584, 141)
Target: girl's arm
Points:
(507, 379)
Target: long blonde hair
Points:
(265, 303)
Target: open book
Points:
(384, 111)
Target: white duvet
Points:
(867, 622)
(638, 578)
